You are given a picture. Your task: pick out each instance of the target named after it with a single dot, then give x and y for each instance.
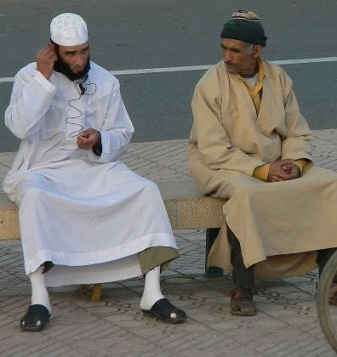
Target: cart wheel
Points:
(327, 312)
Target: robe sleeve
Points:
(214, 146)
(30, 100)
(116, 131)
(262, 172)
(296, 144)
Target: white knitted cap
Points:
(68, 30)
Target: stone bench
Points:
(165, 162)
(187, 210)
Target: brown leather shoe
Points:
(242, 303)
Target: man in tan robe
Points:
(251, 145)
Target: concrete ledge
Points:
(187, 209)
(9, 219)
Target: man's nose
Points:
(80, 60)
(227, 56)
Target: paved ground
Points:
(286, 324)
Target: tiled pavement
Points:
(286, 324)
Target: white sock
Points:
(39, 291)
(152, 292)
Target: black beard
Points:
(62, 67)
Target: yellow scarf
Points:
(256, 92)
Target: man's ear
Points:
(257, 51)
(54, 48)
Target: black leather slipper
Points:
(163, 310)
(36, 318)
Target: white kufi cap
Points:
(68, 30)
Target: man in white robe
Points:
(84, 216)
(251, 145)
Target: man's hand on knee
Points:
(283, 170)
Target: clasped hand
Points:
(283, 170)
(88, 138)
